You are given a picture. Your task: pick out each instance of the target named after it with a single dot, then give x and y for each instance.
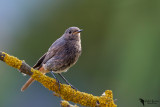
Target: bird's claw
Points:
(58, 82)
(73, 87)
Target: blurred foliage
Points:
(120, 45)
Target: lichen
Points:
(12, 61)
(69, 94)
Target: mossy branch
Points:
(65, 91)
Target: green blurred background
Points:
(120, 45)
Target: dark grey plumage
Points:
(63, 53)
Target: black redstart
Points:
(62, 54)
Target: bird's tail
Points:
(27, 84)
(30, 81)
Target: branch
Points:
(65, 91)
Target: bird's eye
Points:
(70, 32)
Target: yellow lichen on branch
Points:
(12, 61)
(69, 94)
(66, 104)
(64, 91)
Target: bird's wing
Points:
(55, 48)
(39, 62)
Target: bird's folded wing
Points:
(39, 62)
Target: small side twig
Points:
(67, 104)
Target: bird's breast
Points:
(72, 52)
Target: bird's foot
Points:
(59, 83)
(73, 87)
(67, 82)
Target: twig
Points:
(65, 92)
(67, 104)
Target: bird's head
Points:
(72, 33)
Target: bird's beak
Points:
(77, 32)
(80, 31)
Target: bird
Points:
(141, 100)
(61, 55)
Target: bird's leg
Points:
(67, 81)
(56, 79)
